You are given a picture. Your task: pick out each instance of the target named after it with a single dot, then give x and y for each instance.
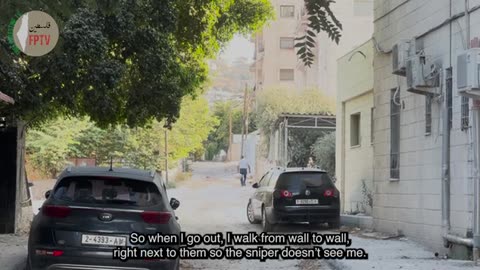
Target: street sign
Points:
(6, 98)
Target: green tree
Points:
(218, 139)
(50, 146)
(273, 102)
(121, 62)
(324, 152)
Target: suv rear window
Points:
(308, 179)
(107, 191)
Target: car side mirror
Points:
(30, 184)
(47, 194)
(255, 185)
(174, 203)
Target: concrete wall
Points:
(354, 164)
(412, 205)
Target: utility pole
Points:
(166, 155)
(230, 135)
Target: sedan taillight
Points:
(156, 217)
(285, 194)
(56, 211)
(329, 193)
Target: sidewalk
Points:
(399, 253)
(13, 251)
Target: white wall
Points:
(413, 204)
(355, 95)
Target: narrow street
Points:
(213, 201)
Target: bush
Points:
(324, 153)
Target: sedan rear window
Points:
(308, 179)
(107, 191)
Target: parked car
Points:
(92, 211)
(293, 195)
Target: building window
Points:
(287, 11)
(363, 7)
(395, 134)
(355, 130)
(465, 113)
(286, 43)
(287, 74)
(372, 126)
(428, 115)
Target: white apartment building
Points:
(420, 190)
(276, 63)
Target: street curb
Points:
(362, 222)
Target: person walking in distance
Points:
(243, 166)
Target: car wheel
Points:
(251, 214)
(266, 225)
(334, 224)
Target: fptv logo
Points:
(34, 33)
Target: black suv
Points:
(91, 211)
(294, 195)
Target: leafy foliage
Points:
(219, 137)
(320, 19)
(50, 146)
(273, 102)
(324, 152)
(300, 144)
(121, 62)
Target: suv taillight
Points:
(156, 217)
(285, 194)
(56, 211)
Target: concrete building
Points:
(354, 145)
(409, 132)
(276, 63)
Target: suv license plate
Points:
(308, 201)
(103, 240)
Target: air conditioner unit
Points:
(420, 79)
(400, 56)
(468, 77)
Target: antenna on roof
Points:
(111, 164)
(69, 169)
(152, 173)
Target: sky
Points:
(239, 47)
